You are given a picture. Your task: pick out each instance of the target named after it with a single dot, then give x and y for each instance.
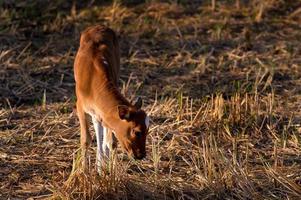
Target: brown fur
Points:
(96, 71)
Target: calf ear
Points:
(124, 112)
(138, 103)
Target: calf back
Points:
(99, 47)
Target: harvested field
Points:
(221, 81)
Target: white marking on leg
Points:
(147, 121)
(99, 139)
(105, 144)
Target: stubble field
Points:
(220, 81)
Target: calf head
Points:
(132, 134)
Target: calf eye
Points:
(138, 134)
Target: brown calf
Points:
(96, 72)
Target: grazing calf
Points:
(96, 72)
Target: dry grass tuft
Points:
(87, 183)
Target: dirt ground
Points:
(220, 80)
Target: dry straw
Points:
(220, 80)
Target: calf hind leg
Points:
(99, 140)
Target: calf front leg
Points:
(85, 137)
(109, 142)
